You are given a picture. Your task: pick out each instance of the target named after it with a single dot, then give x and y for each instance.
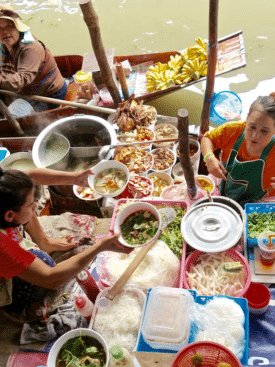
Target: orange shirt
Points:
(225, 136)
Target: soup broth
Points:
(110, 180)
(81, 351)
(139, 228)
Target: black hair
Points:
(264, 104)
(15, 186)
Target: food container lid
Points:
(211, 227)
(167, 316)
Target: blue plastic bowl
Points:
(224, 101)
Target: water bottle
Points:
(84, 306)
(120, 357)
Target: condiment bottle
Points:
(120, 357)
(88, 284)
(84, 306)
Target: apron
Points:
(244, 179)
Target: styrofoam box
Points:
(166, 323)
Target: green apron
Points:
(244, 179)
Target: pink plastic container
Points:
(258, 298)
(194, 257)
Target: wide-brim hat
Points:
(7, 12)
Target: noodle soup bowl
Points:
(108, 165)
(52, 358)
(130, 210)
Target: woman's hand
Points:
(273, 180)
(49, 244)
(215, 167)
(81, 177)
(111, 243)
(86, 91)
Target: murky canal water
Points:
(143, 26)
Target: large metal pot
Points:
(223, 200)
(81, 131)
(211, 227)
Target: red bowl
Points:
(212, 354)
(258, 297)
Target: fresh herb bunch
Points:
(260, 222)
(78, 352)
(171, 235)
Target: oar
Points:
(60, 102)
(15, 124)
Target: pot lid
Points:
(211, 227)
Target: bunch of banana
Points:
(192, 70)
(197, 51)
(160, 80)
(181, 68)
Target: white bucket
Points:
(20, 107)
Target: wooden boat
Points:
(231, 56)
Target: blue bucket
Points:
(225, 106)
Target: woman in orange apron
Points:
(247, 167)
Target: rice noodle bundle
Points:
(119, 323)
(160, 267)
(221, 320)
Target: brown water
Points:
(143, 26)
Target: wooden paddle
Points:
(15, 124)
(60, 102)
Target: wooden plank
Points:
(147, 359)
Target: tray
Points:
(256, 208)
(142, 346)
(156, 202)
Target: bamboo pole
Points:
(13, 122)
(183, 129)
(91, 19)
(212, 62)
(60, 102)
(123, 81)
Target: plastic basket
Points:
(256, 208)
(212, 354)
(225, 101)
(233, 254)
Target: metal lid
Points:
(211, 227)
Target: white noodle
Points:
(208, 277)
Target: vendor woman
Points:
(25, 275)
(27, 67)
(246, 169)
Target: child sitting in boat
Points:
(25, 275)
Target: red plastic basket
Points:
(193, 258)
(212, 354)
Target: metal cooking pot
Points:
(211, 227)
(223, 200)
(81, 131)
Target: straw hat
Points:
(7, 12)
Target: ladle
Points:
(168, 215)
